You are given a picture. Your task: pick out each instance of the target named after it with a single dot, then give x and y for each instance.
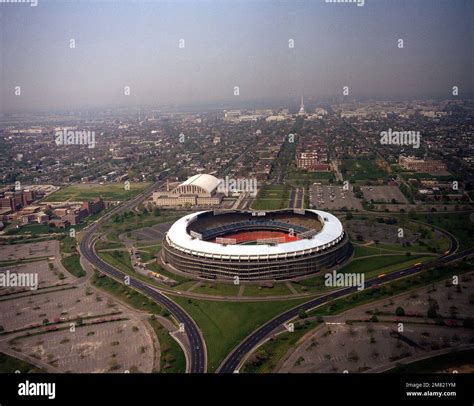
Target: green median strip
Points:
(226, 324)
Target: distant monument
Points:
(301, 112)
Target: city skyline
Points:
(271, 51)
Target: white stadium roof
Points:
(331, 233)
(202, 180)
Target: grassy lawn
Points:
(33, 230)
(397, 266)
(272, 198)
(73, 265)
(361, 169)
(118, 259)
(106, 245)
(458, 224)
(277, 290)
(224, 325)
(68, 245)
(217, 289)
(146, 256)
(185, 286)
(383, 248)
(371, 267)
(152, 249)
(172, 359)
(126, 294)
(314, 284)
(10, 364)
(302, 178)
(89, 191)
(269, 354)
(361, 251)
(150, 252)
(134, 222)
(380, 264)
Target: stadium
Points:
(255, 246)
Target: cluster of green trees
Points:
(120, 218)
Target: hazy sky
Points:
(230, 43)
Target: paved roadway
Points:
(233, 360)
(296, 198)
(196, 342)
(291, 203)
(299, 198)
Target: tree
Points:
(400, 311)
(432, 312)
(302, 314)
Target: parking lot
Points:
(46, 275)
(37, 323)
(109, 347)
(54, 306)
(363, 345)
(333, 198)
(28, 251)
(383, 194)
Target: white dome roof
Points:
(207, 182)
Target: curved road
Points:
(86, 246)
(233, 360)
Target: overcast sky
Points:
(230, 43)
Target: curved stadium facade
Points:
(255, 246)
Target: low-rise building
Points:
(198, 190)
(422, 165)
